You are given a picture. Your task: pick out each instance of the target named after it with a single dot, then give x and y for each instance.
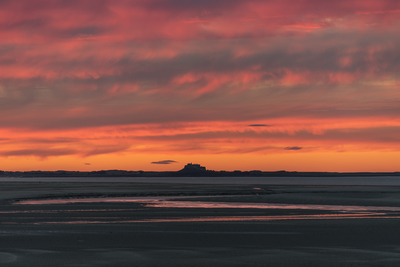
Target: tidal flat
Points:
(134, 223)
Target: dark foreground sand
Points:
(131, 234)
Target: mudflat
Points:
(278, 226)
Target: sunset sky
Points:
(304, 85)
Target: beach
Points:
(134, 223)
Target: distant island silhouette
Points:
(193, 168)
(190, 170)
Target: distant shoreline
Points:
(205, 173)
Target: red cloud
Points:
(313, 69)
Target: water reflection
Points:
(241, 205)
(78, 216)
(63, 210)
(368, 215)
(167, 202)
(90, 200)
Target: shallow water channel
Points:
(335, 211)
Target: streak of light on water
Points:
(166, 202)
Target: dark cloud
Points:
(87, 163)
(42, 153)
(191, 4)
(104, 149)
(205, 8)
(26, 24)
(293, 148)
(151, 110)
(168, 161)
(379, 135)
(52, 141)
(339, 8)
(259, 125)
(85, 31)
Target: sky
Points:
(302, 85)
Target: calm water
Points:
(334, 181)
(171, 202)
(71, 215)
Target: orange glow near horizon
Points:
(298, 161)
(245, 85)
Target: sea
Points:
(300, 181)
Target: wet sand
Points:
(136, 234)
